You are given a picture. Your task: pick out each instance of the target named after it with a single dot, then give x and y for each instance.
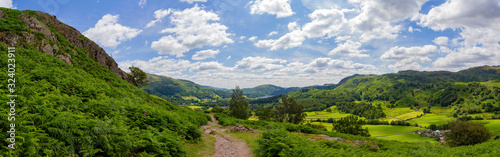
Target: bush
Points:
(466, 133)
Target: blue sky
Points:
(224, 43)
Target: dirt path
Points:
(226, 146)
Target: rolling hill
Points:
(411, 88)
(181, 91)
(73, 100)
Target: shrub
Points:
(466, 133)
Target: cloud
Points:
(259, 64)
(292, 39)
(204, 54)
(272, 33)
(376, 19)
(207, 66)
(159, 15)
(263, 70)
(7, 4)
(411, 29)
(107, 32)
(409, 57)
(478, 43)
(143, 3)
(325, 22)
(441, 40)
(192, 1)
(323, 63)
(193, 28)
(349, 49)
(280, 8)
(462, 13)
(468, 57)
(252, 38)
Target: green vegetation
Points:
(415, 138)
(429, 119)
(385, 130)
(466, 133)
(350, 125)
(238, 106)
(138, 77)
(283, 139)
(183, 92)
(84, 109)
(290, 111)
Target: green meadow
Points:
(431, 118)
(385, 130)
(410, 138)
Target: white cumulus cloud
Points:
(204, 54)
(280, 8)
(192, 1)
(193, 28)
(107, 32)
(409, 57)
(350, 49)
(159, 15)
(7, 4)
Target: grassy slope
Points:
(181, 91)
(87, 110)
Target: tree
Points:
(433, 127)
(466, 133)
(351, 125)
(294, 111)
(238, 105)
(265, 114)
(138, 77)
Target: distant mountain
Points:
(411, 88)
(181, 91)
(268, 90)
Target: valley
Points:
(74, 100)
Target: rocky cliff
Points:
(40, 30)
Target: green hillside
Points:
(72, 101)
(412, 89)
(181, 91)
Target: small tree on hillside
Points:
(351, 125)
(466, 133)
(237, 105)
(265, 114)
(295, 111)
(138, 77)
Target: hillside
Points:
(72, 99)
(181, 91)
(411, 89)
(268, 90)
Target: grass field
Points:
(431, 118)
(323, 115)
(379, 130)
(492, 125)
(409, 115)
(393, 112)
(384, 130)
(410, 138)
(195, 107)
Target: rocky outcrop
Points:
(242, 128)
(77, 39)
(40, 25)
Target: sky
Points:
(289, 43)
